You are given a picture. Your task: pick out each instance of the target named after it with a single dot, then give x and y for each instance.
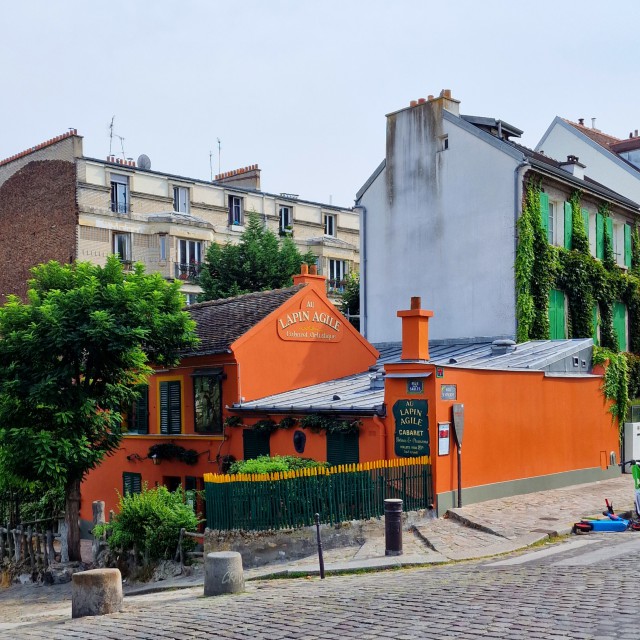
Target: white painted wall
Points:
(562, 140)
(440, 225)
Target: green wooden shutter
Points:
(627, 245)
(140, 412)
(170, 417)
(544, 212)
(599, 236)
(131, 483)
(343, 448)
(585, 222)
(255, 444)
(594, 320)
(609, 223)
(556, 315)
(620, 324)
(568, 225)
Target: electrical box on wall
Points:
(632, 441)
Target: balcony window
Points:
(189, 259)
(181, 199)
(235, 210)
(286, 220)
(329, 225)
(337, 273)
(122, 246)
(119, 193)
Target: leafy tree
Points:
(259, 262)
(70, 357)
(350, 304)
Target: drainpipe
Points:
(383, 430)
(517, 212)
(363, 268)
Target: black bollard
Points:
(393, 527)
(320, 556)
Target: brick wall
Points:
(38, 218)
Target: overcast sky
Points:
(302, 88)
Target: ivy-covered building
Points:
(502, 241)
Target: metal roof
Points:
(363, 393)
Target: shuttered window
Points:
(170, 420)
(139, 415)
(627, 245)
(585, 221)
(620, 324)
(255, 444)
(131, 483)
(568, 225)
(556, 315)
(544, 212)
(343, 448)
(609, 223)
(599, 236)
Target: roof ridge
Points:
(42, 145)
(251, 294)
(586, 130)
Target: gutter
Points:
(379, 410)
(519, 172)
(363, 268)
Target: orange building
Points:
(533, 414)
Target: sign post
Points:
(458, 429)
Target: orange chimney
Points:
(308, 275)
(415, 331)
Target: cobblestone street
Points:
(553, 597)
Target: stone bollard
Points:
(96, 592)
(223, 573)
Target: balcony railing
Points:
(187, 271)
(120, 207)
(336, 286)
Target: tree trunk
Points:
(72, 518)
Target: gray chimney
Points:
(574, 167)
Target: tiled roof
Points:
(596, 135)
(219, 323)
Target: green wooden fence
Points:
(291, 499)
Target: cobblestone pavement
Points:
(543, 599)
(497, 527)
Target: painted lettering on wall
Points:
(411, 419)
(310, 323)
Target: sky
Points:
(301, 88)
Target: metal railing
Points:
(336, 286)
(120, 207)
(339, 494)
(188, 272)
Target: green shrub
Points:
(150, 523)
(267, 464)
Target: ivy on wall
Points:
(586, 281)
(315, 422)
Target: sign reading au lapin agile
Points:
(412, 428)
(313, 322)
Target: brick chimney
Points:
(309, 275)
(245, 177)
(415, 331)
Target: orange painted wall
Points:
(523, 424)
(270, 364)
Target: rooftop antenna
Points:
(219, 147)
(210, 165)
(111, 134)
(121, 146)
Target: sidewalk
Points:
(476, 531)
